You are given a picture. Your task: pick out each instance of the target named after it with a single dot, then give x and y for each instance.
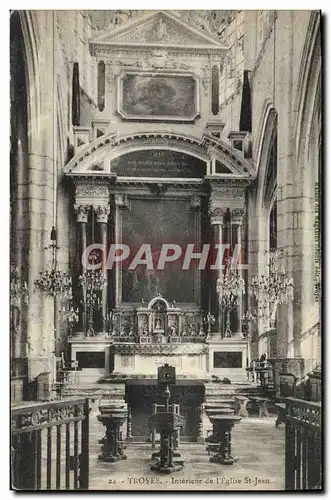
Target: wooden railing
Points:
(303, 451)
(49, 445)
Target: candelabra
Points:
(270, 290)
(210, 320)
(230, 288)
(93, 282)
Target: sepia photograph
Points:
(166, 175)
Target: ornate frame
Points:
(157, 118)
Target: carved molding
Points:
(201, 148)
(82, 212)
(159, 188)
(161, 349)
(195, 202)
(26, 418)
(122, 201)
(92, 191)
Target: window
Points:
(273, 227)
(75, 96)
(101, 86)
(215, 90)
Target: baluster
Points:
(289, 456)
(84, 466)
(67, 466)
(200, 423)
(76, 458)
(129, 425)
(49, 459)
(58, 457)
(304, 460)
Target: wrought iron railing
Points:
(303, 450)
(50, 445)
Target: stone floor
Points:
(256, 442)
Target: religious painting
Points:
(158, 97)
(157, 221)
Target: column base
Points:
(111, 458)
(213, 448)
(167, 469)
(157, 454)
(218, 459)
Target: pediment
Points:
(158, 29)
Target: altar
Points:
(156, 205)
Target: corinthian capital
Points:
(82, 212)
(102, 212)
(217, 215)
(237, 216)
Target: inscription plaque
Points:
(91, 359)
(158, 163)
(227, 359)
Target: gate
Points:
(303, 461)
(49, 445)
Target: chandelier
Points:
(270, 290)
(230, 288)
(54, 283)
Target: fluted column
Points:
(102, 214)
(237, 215)
(82, 212)
(217, 220)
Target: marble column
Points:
(217, 220)
(237, 215)
(102, 212)
(82, 212)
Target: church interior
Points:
(180, 154)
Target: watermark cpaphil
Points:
(206, 257)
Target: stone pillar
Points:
(82, 212)
(102, 213)
(217, 219)
(237, 215)
(121, 203)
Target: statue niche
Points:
(158, 321)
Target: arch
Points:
(156, 299)
(309, 77)
(31, 38)
(206, 148)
